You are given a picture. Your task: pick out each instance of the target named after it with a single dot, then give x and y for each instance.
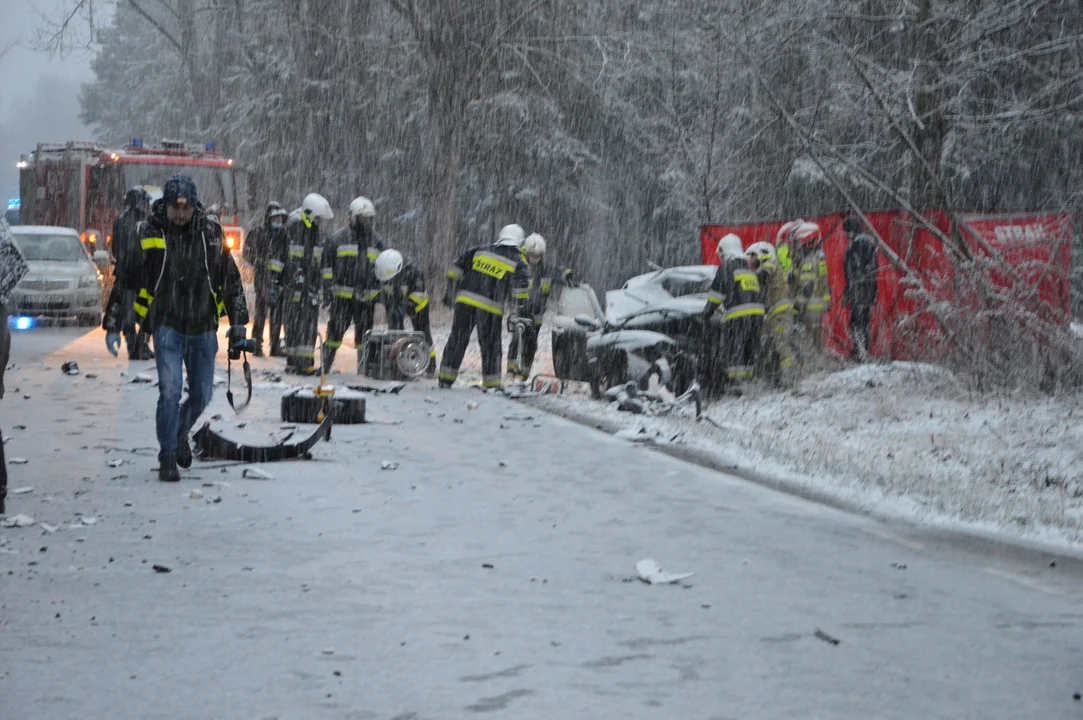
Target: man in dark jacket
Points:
(185, 281)
(304, 282)
(529, 323)
(266, 249)
(349, 258)
(736, 292)
(480, 282)
(860, 267)
(126, 253)
(12, 270)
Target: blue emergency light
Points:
(14, 204)
(209, 147)
(137, 142)
(23, 322)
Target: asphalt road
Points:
(488, 571)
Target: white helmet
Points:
(786, 230)
(511, 235)
(316, 206)
(730, 247)
(808, 234)
(388, 265)
(534, 245)
(362, 207)
(762, 250)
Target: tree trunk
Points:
(929, 123)
(447, 106)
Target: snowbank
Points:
(901, 439)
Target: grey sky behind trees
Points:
(39, 94)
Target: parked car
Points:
(63, 280)
(650, 327)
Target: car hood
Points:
(649, 291)
(65, 269)
(657, 312)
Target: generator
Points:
(393, 355)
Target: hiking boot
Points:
(167, 468)
(184, 452)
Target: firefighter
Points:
(777, 356)
(812, 295)
(12, 270)
(403, 294)
(860, 266)
(266, 249)
(736, 291)
(349, 268)
(480, 282)
(186, 280)
(303, 282)
(126, 254)
(784, 245)
(530, 319)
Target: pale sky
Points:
(38, 94)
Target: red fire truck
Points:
(81, 185)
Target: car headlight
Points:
(88, 281)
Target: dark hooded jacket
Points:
(186, 278)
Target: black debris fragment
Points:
(162, 569)
(825, 637)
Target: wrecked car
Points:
(650, 328)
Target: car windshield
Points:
(213, 185)
(52, 248)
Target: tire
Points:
(304, 408)
(609, 371)
(561, 360)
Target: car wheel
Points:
(305, 408)
(609, 371)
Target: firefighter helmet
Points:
(362, 207)
(808, 234)
(316, 206)
(786, 231)
(275, 210)
(388, 265)
(729, 247)
(762, 251)
(534, 247)
(512, 236)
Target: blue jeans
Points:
(196, 352)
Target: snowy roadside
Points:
(900, 440)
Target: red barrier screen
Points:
(1037, 248)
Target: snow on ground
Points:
(899, 439)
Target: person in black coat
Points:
(126, 254)
(860, 266)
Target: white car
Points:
(62, 280)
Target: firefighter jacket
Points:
(304, 278)
(777, 298)
(406, 293)
(810, 288)
(348, 264)
(736, 290)
(860, 266)
(125, 243)
(487, 277)
(540, 288)
(185, 279)
(267, 249)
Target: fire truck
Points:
(81, 185)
